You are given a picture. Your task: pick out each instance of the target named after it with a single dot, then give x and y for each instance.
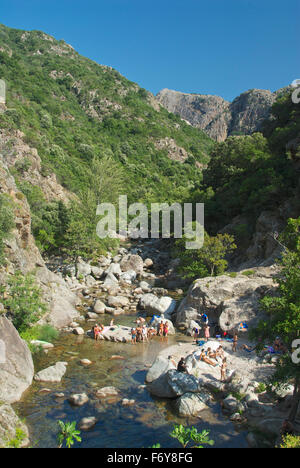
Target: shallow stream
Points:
(147, 422)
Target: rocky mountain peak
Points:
(216, 116)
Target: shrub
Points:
(290, 441)
(6, 222)
(23, 300)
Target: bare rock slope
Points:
(216, 116)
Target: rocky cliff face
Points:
(218, 117)
(21, 251)
(16, 374)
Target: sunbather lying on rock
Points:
(204, 358)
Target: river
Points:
(147, 422)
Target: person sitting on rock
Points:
(204, 358)
(220, 352)
(211, 354)
(181, 367)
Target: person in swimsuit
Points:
(235, 341)
(166, 330)
(211, 354)
(223, 370)
(145, 333)
(139, 334)
(204, 358)
(96, 332)
(133, 336)
(206, 332)
(161, 329)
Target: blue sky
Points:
(221, 47)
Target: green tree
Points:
(283, 312)
(209, 260)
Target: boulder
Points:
(190, 404)
(227, 300)
(52, 374)
(85, 424)
(154, 305)
(78, 331)
(148, 263)
(110, 280)
(160, 366)
(78, 399)
(83, 269)
(157, 320)
(99, 307)
(132, 262)
(90, 281)
(9, 422)
(128, 277)
(173, 384)
(114, 269)
(16, 365)
(106, 392)
(97, 272)
(117, 301)
(42, 344)
(231, 404)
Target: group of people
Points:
(213, 358)
(144, 332)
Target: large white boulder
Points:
(132, 262)
(52, 374)
(157, 305)
(190, 404)
(226, 300)
(16, 365)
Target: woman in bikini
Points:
(211, 354)
(235, 341)
(97, 331)
(223, 370)
(166, 330)
(204, 358)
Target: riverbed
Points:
(146, 422)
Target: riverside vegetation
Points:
(101, 136)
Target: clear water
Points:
(147, 422)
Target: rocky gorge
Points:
(136, 281)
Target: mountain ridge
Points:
(216, 116)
